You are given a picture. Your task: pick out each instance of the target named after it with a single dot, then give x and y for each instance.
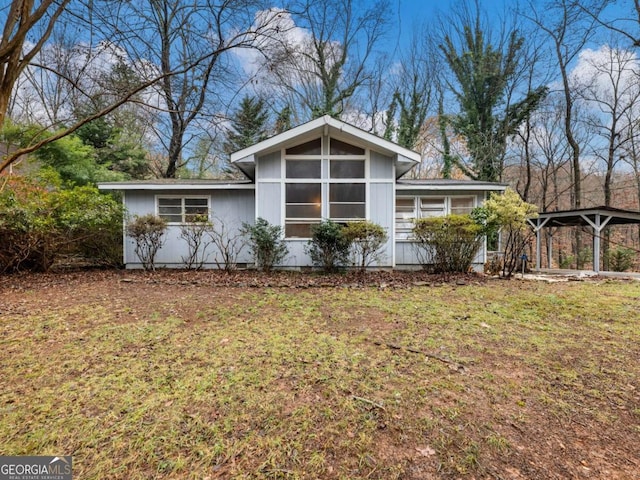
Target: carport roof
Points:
(586, 217)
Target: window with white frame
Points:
(405, 213)
(409, 208)
(175, 209)
(303, 208)
(462, 205)
(336, 191)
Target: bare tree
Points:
(324, 66)
(611, 88)
(626, 26)
(178, 59)
(170, 34)
(568, 29)
(26, 30)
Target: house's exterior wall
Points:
(230, 208)
(381, 167)
(407, 255)
(271, 183)
(381, 211)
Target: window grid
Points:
(342, 189)
(409, 208)
(182, 209)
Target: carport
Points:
(597, 218)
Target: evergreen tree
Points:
(283, 122)
(483, 74)
(248, 125)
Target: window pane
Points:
(170, 210)
(303, 211)
(347, 169)
(170, 202)
(196, 202)
(341, 148)
(347, 192)
(309, 148)
(431, 213)
(196, 210)
(303, 168)
(303, 193)
(405, 204)
(347, 210)
(432, 203)
(172, 218)
(461, 205)
(298, 230)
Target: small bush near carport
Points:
(447, 244)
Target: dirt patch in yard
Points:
(177, 374)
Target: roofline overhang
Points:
(404, 158)
(174, 186)
(474, 186)
(629, 214)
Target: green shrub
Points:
(328, 247)
(508, 214)
(366, 240)
(447, 244)
(147, 231)
(266, 243)
(621, 259)
(40, 221)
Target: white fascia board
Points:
(173, 186)
(403, 154)
(276, 140)
(480, 187)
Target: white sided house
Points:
(323, 169)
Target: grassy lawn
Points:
(160, 379)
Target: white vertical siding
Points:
(229, 207)
(270, 201)
(269, 166)
(381, 211)
(381, 166)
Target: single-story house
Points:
(323, 169)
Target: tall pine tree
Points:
(248, 125)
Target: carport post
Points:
(596, 244)
(538, 246)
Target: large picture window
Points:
(321, 185)
(182, 209)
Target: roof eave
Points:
(119, 186)
(471, 186)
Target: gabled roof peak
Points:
(326, 126)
